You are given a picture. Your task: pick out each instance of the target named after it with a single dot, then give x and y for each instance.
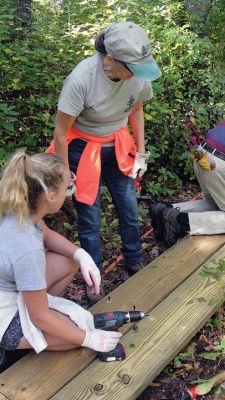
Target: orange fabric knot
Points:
(89, 167)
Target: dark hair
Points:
(99, 43)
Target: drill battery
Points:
(117, 354)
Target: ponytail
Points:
(13, 187)
(24, 179)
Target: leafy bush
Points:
(191, 86)
(35, 63)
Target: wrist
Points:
(141, 150)
(87, 339)
(82, 336)
(144, 155)
(78, 254)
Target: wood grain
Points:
(2, 397)
(41, 376)
(169, 328)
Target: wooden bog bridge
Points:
(180, 302)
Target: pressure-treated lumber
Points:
(159, 338)
(41, 376)
(2, 397)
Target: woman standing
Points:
(98, 99)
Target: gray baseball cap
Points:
(129, 43)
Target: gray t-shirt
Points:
(100, 105)
(22, 256)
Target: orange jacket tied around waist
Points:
(89, 167)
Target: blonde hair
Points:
(25, 178)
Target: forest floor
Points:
(199, 360)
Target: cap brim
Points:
(147, 72)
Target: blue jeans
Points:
(124, 198)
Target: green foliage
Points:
(68, 226)
(142, 214)
(220, 346)
(185, 355)
(199, 11)
(217, 30)
(191, 86)
(215, 272)
(213, 322)
(213, 355)
(209, 355)
(35, 63)
(159, 182)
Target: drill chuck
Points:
(135, 316)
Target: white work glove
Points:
(81, 317)
(89, 270)
(100, 340)
(140, 166)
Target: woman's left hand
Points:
(89, 270)
(140, 165)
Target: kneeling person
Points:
(199, 217)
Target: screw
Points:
(98, 387)
(125, 379)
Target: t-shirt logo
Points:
(130, 104)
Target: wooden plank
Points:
(169, 328)
(41, 376)
(2, 397)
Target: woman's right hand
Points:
(89, 270)
(102, 341)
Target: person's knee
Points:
(58, 267)
(129, 213)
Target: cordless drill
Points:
(111, 321)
